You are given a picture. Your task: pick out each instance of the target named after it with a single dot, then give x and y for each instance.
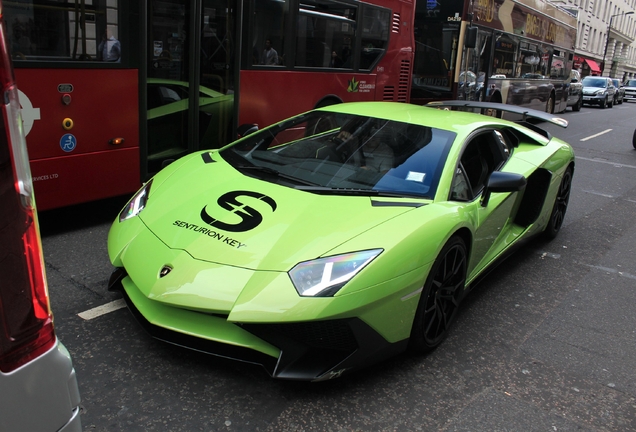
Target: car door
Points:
(485, 152)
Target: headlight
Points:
(323, 277)
(600, 92)
(136, 204)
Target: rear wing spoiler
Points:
(526, 113)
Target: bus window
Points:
(38, 31)
(557, 67)
(268, 30)
(325, 34)
(375, 35)
(504, 58)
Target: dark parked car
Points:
(598, 91)
(620, 91)
(39, 390)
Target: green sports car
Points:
(339, 237)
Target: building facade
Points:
(606, 35)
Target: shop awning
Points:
(594, 67)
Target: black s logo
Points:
(250, 218)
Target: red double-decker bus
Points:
(113, 90)
(518, 52)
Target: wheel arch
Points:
(328, 100)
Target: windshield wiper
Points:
(274, 173)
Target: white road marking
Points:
(599, 194)
(598, 134)
(612, 271)
(102, 310)
(616, 164)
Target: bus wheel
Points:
(549, 106)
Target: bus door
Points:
(190, 78)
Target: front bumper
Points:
(595, 99)
(312, 350)
(631, 95)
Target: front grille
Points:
(335, 334)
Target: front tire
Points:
(560, 205)
(549, 106)
(440, 298)
(604, 103)
(634, 139)
(578, 105)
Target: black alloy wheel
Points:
(440, 298)
(560, 205)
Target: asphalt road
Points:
(546, 343)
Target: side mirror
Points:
(500, 182)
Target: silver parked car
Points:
(39, 390)
(598, 91)
(630, 89)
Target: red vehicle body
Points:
(185, 78)
(69, 103)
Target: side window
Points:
(326, 31)
(45, 30)
(268, 48)
(375, 35)
(485, 153)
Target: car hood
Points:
(216, 214)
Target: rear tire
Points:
(560, 205)
(440, 298)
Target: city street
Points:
(546, 342)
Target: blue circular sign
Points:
(68, 142)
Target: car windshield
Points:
(594, 82)
(616, 83)
(631, 83)
(334, 153)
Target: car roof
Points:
(415, 114)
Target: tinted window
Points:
(46, 30)
(326, 31)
